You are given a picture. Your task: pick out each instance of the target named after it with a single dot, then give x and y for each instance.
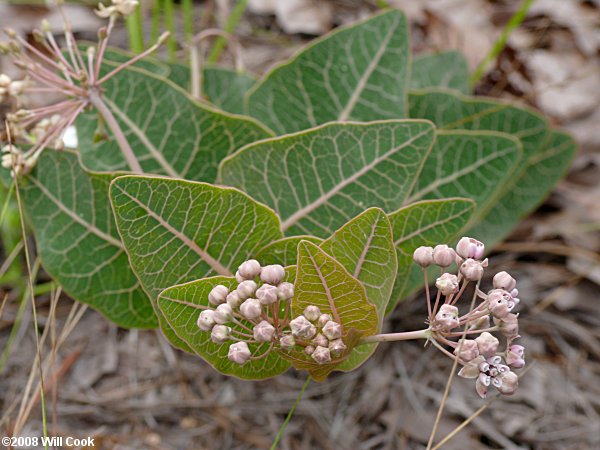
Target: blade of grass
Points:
(290, 415)
(187, 12)
(135, 30)
(169, 6)
(230, 24)
(157, 6)
(500, 43)
(34, 310)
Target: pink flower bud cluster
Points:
(319, 334)
(493, 312)
(249, 314)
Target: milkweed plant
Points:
(275, 222)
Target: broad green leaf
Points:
(365, 247)
(429, 222)
(449, 110)
(325, 283)
(169, 132)
(446, 69)
(223, 88)
(77, 239)
(284, 251)
(181, 305)
(226, 88)
(177, 231)
(319, 179)
(359, 73)
(469, 164)
(541, 174)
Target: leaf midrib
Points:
(429, 226)
(345, 113)
(304, 211)
(84, 223)
(141, 135)
(456, 175)
(206, 257)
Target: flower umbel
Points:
(72, 74)
(257, 314)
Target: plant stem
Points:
(500, 43)
(289, 416)
(232, 21)
(135, 30)
(391, 337)
(112, 123)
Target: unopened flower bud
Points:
(502, 280)
(287, 341)
(5, 80)
(469, 350)
(510, 383)
(480, 324)
(285, 291)
(499, 303)
(267, 294)
(233, 299)
(17, 88)
(470, 248)
(239, 353)
(223, 314)
(472, 270)
(487, 344)
(251, 308)
(273, 274)
(249, 269)
(246, 289)
(263, 332)
(309, 349)
(302, 328)
(443, 255)
(45, 25)
(332, 330)
(509, 325)
(321, 340)
(206, 320)
(337, 347)
(446, 318)
(321, 355)
(447, 284)
(423, 256)
(312, 313)
(10, 32)
(238, 277)
(515, 356)
(218, 295)
(220, 334)
(323, 319)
